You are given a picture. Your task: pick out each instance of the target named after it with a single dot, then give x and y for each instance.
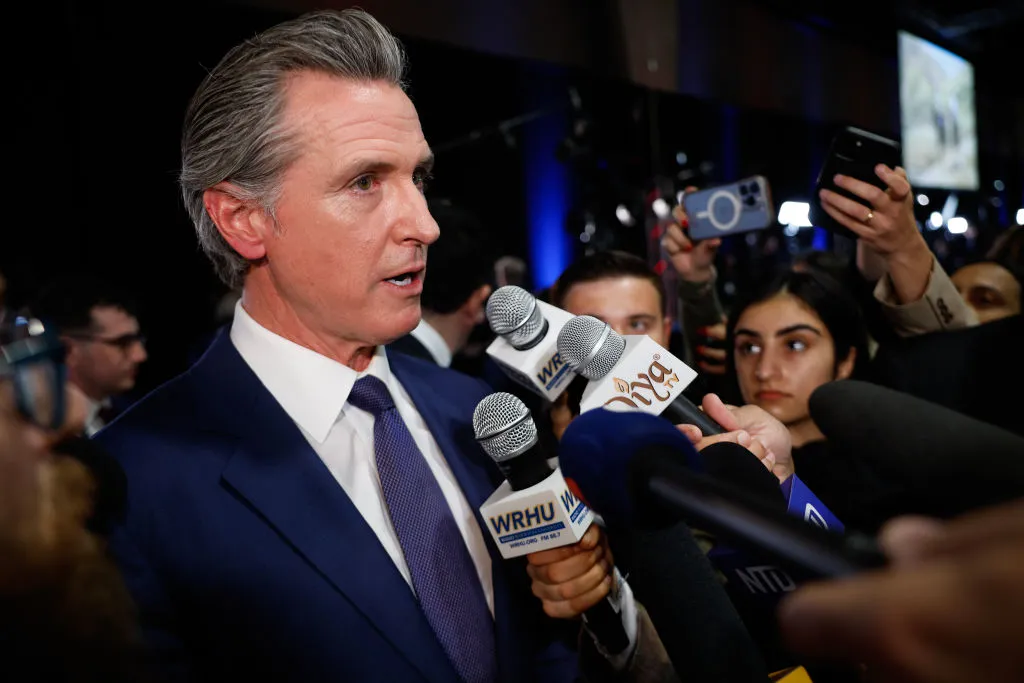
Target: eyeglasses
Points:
(32, 357)
(124, 342)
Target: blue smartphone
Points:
(730, 209)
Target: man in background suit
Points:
(301, 505)
(455, 292)
(99, 325)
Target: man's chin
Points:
(402, 325)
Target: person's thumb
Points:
(720, 413)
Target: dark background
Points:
(541, 114)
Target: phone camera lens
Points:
(743, 190)
(754, 189)
(750, 201)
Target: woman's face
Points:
(784, 352)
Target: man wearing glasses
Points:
(104, 346)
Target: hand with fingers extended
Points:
(887, 227)
(751, 427)
(694, 261)
(572, 579)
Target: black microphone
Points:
(946, 462)
(640, 471)
(630, 371)
(732, 463)
(534, 510)
(698, 625)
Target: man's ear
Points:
(473, 308)
(845, 368)
(243, 223)
(72, 351)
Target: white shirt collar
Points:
(435, 343)
(310, 387)
(93, 423)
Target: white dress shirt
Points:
(313, 390)
(93, 422)
(433, 341)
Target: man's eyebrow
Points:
(365, 165)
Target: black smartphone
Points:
(854, 153)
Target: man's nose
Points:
(415, 222)
(139, 353)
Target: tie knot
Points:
(372, 395)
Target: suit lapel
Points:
(276, 470)
(478, 477)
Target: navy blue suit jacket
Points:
(249, 562)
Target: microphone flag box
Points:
(646, 378)
(540, 368)
(544, 516)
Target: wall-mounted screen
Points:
(940, 145)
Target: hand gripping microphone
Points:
(533, 509)
(525, 348)
(630, 372)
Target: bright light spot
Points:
(957, 225)
(1020, 216)
(624, 216)
(681, 158)
(999, 185)
(923, 200)
(661, 208)
(791, 231)
(795, 214)
(584, 237)
(935, 220)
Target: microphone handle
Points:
(606, 624)
(682, 411)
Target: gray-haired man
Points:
(302, 505)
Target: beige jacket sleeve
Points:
(940, 308)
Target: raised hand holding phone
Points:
(694, 261)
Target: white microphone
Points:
(533, 509)
(630, 372)
(526, 348)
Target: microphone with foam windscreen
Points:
(630, 372)
(526, 348)
(534, 510)
(947, 463)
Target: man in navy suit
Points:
(302, 506)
